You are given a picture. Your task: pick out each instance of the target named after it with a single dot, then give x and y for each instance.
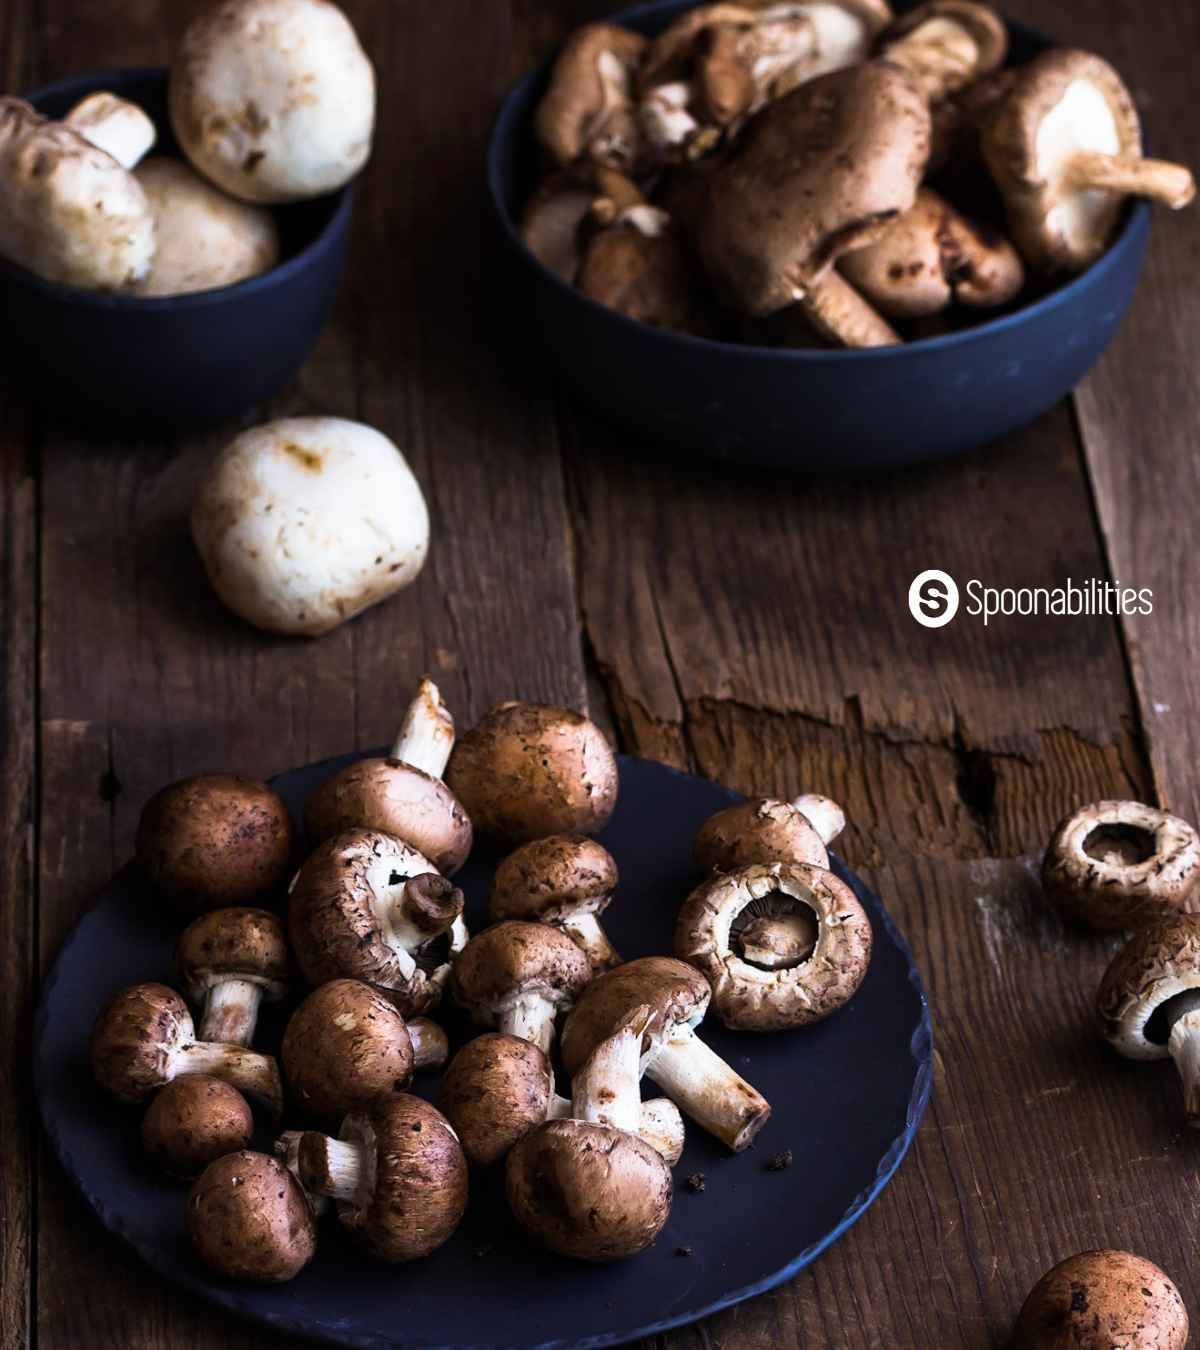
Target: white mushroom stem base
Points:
(836, 310)
(1184, 1047)
(1170, 184)
(822, 813)
(430, 1046)
(705, 1088)
(531, 1018)
(427, 734)
(231, 1012)
(605, 1090)
(585, 932)
(332, 1167)
(251, 1073)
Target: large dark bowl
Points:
(182, 360)
(812, 409)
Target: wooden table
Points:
(752, 628)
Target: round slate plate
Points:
(847, 1095)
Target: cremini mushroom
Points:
(249, 1219)
(398, 1175)
(1101, 1300)
(1116, 864)
(570, 200)
(518, 977)
(229, 961)
(695, 1078)
(932, 256)
(69, 212)
(588, 1187)
(144, 1039)
(403, 794)
(287, 1150)
(1065, 148)
(193, 1121)
(526, 770)
(346, 1045)
(368, 907)
(273, 100)
(116, 126)
(1149, 1000)
(793, 986)
(204, 238)
(215, 841)
(946, 45)
(305, 522)
(565, 880)
(589, 110)
(763, 830)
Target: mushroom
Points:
(402, 795)
(556, 215)
(193, 1121)
(214, 841)
(931, 257)
(817, 173)
(305, 522)
(287, 1150)
(367, 906)
(518, 977)
(1149, 1000)
(946, 45)
(205, 239)
(69, 212)
(1118, 864)
(565, 880)
(397, 1173)
(144, 1039)
(796, 984)
(695, 1078)
(249, 1219)
(273, 100)
(346, 1045)
(763, 830)
(526, 770)
(1065, 148)
(1101, 1300)
(229, 960)
(588, 1187)
(588, 112)
(116, 126)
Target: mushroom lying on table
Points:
(368, 907)
(1065, 148)
(193, 1121)
(116, 126)
(558, 215)
(287, 1149)
(229, 961)
(946, 45)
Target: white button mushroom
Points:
(274, 100)
(305, 522)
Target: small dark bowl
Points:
(182, 360)
(810, 409)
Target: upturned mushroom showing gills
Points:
(397, 1173)
(193, 1121)
(1117, 864)
(674, 1057)
(144, 1039)
(518, 977)
(403, 795)
(564, 208)
(792, 986)
(1065, 148)
(588, 1187)
(526, 770)
(1149, 1000)
(215, 841)
(366, 906)
(946, 45)
(230, 961)
(1102, 1300)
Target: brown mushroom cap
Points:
(528, 770)
(249, 1219)
(760, 830)
(588, 110)
(1159, 962)
(134, 1037)
(748, 997)
(552, 878)
(215, 841)
(1100, 1300)
(967, 41)
(494, 1091)
(588, 1191)
(241, 944)
(513, 958)
(193, 1121)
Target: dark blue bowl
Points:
(812, 409)
(175, 361)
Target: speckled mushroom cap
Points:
(194, 1120)
(400, 800)
(1116, 864)
(239, 944)
(215, 841)
(746, 996)
(980, 23)
(134, 1037)
(526, 770)
(760, 830)
(512, 959)
(1161, 960)
(1102, 1300)
(494, 1091)
(673, 990)
(550, 878)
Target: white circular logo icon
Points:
(933, 598)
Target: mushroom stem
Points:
(331, 1167)
(1161, 181)
(704, 1087)
(230, 1012)
(431, 1047)
(585, 931)
(428, 906)
(251, 1073)
(1184, 1047)
(837, 311)
(530, 1017)
(661, 1126)
(427, 735)
(605, 1090)
(779, 941)
(822, 813)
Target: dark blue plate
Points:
(848, 1097)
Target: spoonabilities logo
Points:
(933, 598)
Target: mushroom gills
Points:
(1120, 845)
(775, 932)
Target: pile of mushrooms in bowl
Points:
(365, 941)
